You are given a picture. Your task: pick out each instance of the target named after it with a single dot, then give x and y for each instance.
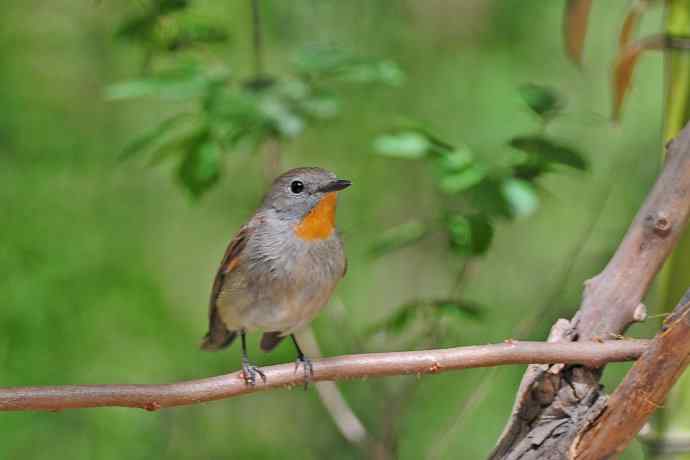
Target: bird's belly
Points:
(283, 304)
(286, 315)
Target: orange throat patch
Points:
(319, 223)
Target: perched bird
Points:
(281, 268)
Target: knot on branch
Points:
(640, 313)
(659, 223)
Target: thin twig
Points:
(153, 397)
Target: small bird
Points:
(281, 268)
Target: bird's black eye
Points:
(297, 186)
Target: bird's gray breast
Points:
(286, 279)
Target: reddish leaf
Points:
(625, 66)
(575, 27)
(632, 19)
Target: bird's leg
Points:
(306, 363)
(249, 370)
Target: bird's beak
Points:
(336, 185)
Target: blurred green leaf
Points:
(188, 34)
(461, 309)
(549, 151)
(137, 28)
(543, 100)
(168, 6)
(455, 160)
(180, 83)
(488, 198)
(344, 66)
(398, 237)
(528, 166)
(200, 168)
(407, 313)
(470, 235)
(156, 136)
(282, 118)
(462, 180)
(140, 27)
(407, 145)
(322, 106)
(385, 72)
(522, 197)
(396, 322)
(319, 60)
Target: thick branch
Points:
(552, 406)
(611, 298)
(643, 390)
(153, 397)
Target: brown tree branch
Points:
(153, 397)
(643, 390)
(553, 405)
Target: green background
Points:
(105, 267)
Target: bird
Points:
(280, 269)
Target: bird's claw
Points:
(308, 369)
(249, 372)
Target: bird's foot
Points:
(308, 369)
(249, 372)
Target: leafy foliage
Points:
(230, 114)
(484, 193)
(162, 26)
(479, 194)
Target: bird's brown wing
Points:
(218, 335)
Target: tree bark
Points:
(643, 390)
(554, 404)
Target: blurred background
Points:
(106, 264)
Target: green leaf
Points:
(344, 66)
(153, 137)
(137, 28)
(200, 168)
(282, 118)
(460, 309)
(189, 34)
(487, 197)
(407, 145)
(398, 237)
(168, 6)
(385, 72)
(522, 197)
(550, 151)
(455, 160)
(181, 83)
(542, 100)
(462, 180)
(322, 106)
(319, 60)
(470, 235)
